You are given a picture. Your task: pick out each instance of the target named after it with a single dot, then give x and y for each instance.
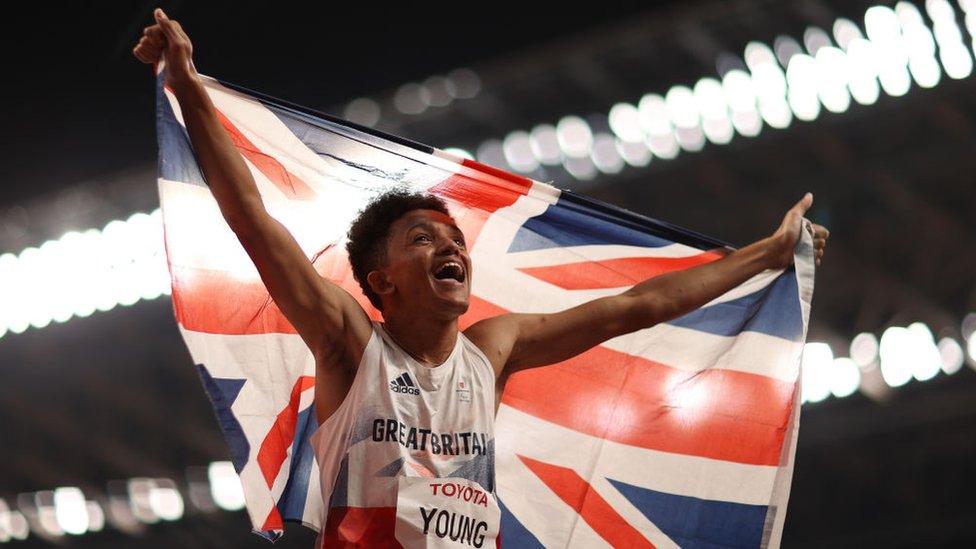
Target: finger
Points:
(155, 35)
(142, 46)
(142, 55)
(148, 46)
(156, 44)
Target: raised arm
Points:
(518, 341)
(329, 320)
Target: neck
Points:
(429, 340)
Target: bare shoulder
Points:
(495, 336)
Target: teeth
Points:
(451, 265)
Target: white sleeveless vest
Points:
(403, 422)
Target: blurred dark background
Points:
(114, 396)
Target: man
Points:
(406, 406)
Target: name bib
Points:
(446, 512)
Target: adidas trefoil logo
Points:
(404, 384)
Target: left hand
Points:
(783, 241)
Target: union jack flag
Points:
(682, 434)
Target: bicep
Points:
(324, 314)
(544, 339)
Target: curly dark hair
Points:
(370, 232)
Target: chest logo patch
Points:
(404, 385)
(463, 391)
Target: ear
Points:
(380, 283)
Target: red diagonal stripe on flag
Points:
(714, 413)
(518, 180)
(585, 500)
(287, 182)
(614, 273)
(279, 439)
(273, 521)
(473, 201)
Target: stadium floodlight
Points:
(96, 517)
(225, 486)
(951, 355)
(817, 371)
(897, 352)
(165, 500)
(845, 377)
(864, 349)
(71, 510)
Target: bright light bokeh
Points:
(925, 354)
(517, 148)
(971, 349)
(862, 63)
(801, 76)
(165, 500)
(817, 371)
(605, 155)
(17, 525)
(624, 120)
(953, 54)
(71, 510)
(815, 38)
(462, 153)
(951, 354)
(491, 152)
(574, 136)
(545, 144)
(581, 168)
(864, 349)
(635, 154)
(710, 101)
(897, 351)
(845, 31)
(96, 517)
(225, 486)
(833, 76)
(411, 98)
(845, 377)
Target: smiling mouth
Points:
(451, 270)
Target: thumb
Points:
(804, 204)
(164, 22)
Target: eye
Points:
(421, 238)
(459, 242)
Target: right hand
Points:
(783, 241)
(167, 38)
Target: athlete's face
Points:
(427, 264)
